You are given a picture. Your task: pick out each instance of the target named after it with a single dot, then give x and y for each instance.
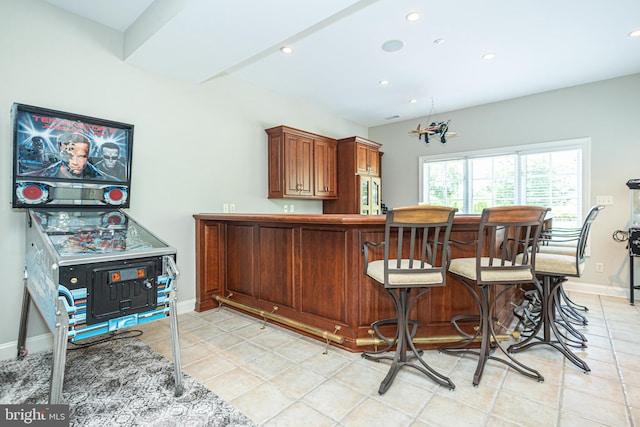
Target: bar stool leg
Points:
(489, 341)
(485, 323)
(403, 303)
(548, 324)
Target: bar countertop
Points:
(343, 219)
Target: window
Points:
(549, 174)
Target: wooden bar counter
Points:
(305, 272)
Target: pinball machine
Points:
(90, 269)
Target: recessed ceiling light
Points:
(489, 56)
(392, 117)
(384, 82)
(413, 16)
(286, 49)
(635, 33)
(413, 101)
(392, 45)
(438, 41)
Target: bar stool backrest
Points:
(416, 250)
(584, 232)
(506, 232)
(558, 244)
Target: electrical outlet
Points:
(225, 207)
(232, 207)
(286, 208)
(599, 267)
(291, 208)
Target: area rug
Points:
(119, 382)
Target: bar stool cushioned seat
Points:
(376, 272)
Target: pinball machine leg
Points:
(175, 342)
(59, 361)
(24, 316)
(170, 268)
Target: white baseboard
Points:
(34, 345)
(596, 289)
(186, 306)
(44, 342)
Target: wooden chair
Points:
(416, 256)
(504, 233)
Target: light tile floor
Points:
(279, 378)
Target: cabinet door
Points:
(376, 196)
(276, 165)
(364, 182)
(362, 158)
(367, 159)
(373, 157)
(325, 160)
(298, 153)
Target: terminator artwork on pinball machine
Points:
(90, 269)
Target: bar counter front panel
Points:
(305, 272)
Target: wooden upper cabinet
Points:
(367, 157)
(301, 164)
(356, 156)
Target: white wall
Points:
(195, 147)
(607, 112)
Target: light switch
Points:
(604, 200)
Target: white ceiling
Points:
(337, 63)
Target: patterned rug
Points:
(120, 382)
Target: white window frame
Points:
(584, 144)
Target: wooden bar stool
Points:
(416, 255)
(504, 233)
(554, 263)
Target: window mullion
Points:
(467, 185)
